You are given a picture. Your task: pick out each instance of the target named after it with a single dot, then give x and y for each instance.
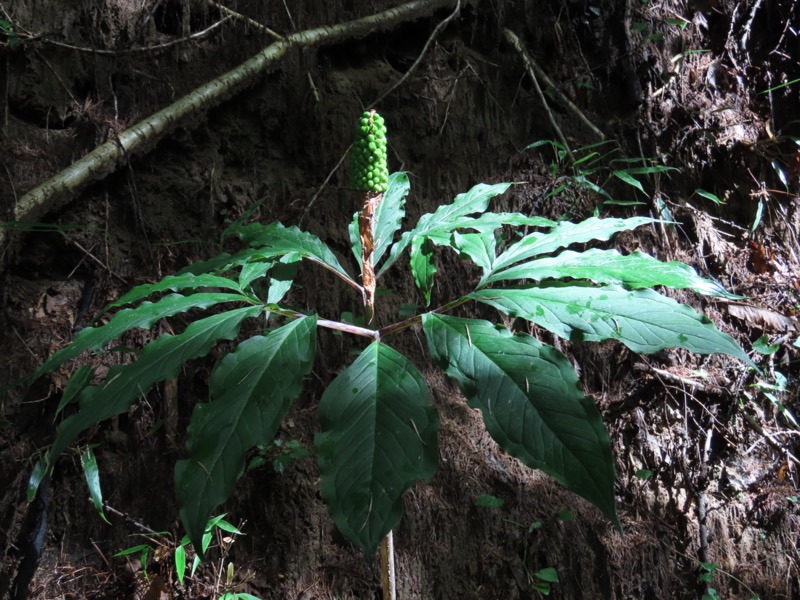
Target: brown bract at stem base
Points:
(366, 231)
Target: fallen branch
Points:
(105, 159)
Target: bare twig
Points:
(422, 54)
(246, 19)
(534, 67)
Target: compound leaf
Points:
(637, 270)
(446, 217)
(275, 240)
(175, 283)
(141, 317)
(531, 402)
(643, 320)
(251, 388)
(160, 360)
(478, 247)
(564, 234)
(377, 438)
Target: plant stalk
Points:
(366, 231)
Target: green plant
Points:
(378, 431)
(214, 525)
(593, 171)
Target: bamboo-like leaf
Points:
(445, 217)
(637, 270)
(160, 360)
(643, 320)
(141, 317)
(377, 438)
(531, 402)
(92, 474)
(564, 234)
(251, 390)
(275, 240)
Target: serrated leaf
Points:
(636, 271)
(175, 283)
(252, 271)
(531, 402)
(160, 360)
(141, 317)
(388, 218)
(92, 473)
(377, 438)
(643, 320)
(478, 247)
(422, 266)
(389, 214)
(225, 262)
(79, 380)
(275, 240)
(252, 388)
(280, 281)
(564, 234)
(444, 218)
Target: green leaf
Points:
(564, 234)
(40, 471)
(422, 266)
(281, 281)
(180, 563)
(643, 320)
(251, 390)
(762, 346)
(630, 180)
(444, 218)
(92, 474)
(548, 574)
(275, 240)
(531, 401)
(141, 317)
(377, 438)
(77, 383)
(160, 360)
(637, 270)
(489, 501)
(388, 218)
(478, 247)
(389, 214)
(709, 196)
(175, 283)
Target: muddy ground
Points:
(705, 448)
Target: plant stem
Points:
(411, 321)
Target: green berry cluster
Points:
(368, 170)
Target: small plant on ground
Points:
(377, 428)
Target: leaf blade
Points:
(637, 270)
(377, 438)
(531, 402)
(643, 320)
(252, 388)
(159, 360)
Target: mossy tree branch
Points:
(105, 159)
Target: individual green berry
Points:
(368, 166)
